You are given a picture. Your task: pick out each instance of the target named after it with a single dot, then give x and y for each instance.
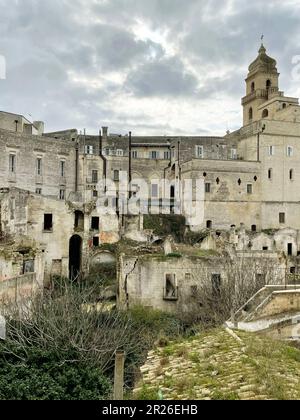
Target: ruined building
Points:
(49, 184)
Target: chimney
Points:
(104, 133)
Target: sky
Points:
(153, 67)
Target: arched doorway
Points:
(75, 248)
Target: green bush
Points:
(41, 375)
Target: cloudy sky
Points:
(150, 66)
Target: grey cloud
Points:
(166, 77)
(43, 40)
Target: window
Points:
(290, 151)
(218, 181)
(62, 168)
(253, 228)
(134, 154)
(62, 194)
(233, 154)
(12, 163)
(199, 152)
(209, 224)
(120, 152)
(79, 220)
(48, 222)
(283, 106)
(240, 182)
(290, 250)
(252, 87)
(282, 218)
(207, 187)
(95, 223)
(38, 191)
(271, 150)
(167, 155)
(89, 150)
(170, 289)
(94, 177)
(293, 270)
(265, 113)
(249, 189)
(250, 114)
(268, 84)
(96, 241)
(291, 174)
(154, 155)
(270, 173)
(116, 175)
(173, 153)
(106, 151)
(39, 166)
(154, 190)
(265, 248)
(95, 193)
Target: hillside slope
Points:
(218, 366)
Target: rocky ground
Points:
(220, 365)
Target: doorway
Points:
(75, 249)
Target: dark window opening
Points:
(265, 248)
(170, 290)
(291, 174)
(28, 266)
(209, 224)
(290, 250)
(207, 187)
(252, 87)
(270, 172)
(79, 220)
(75, 249)
(95, 223)
(265, 113)
(282, 218)
(250, 114)
(293, 270)
(254, 228)
(268, 84)
(283, 106)
(48, 222)
(204, 174)
(96, 241)
(239, 181)
(249, 189)
(218, 181)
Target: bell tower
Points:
(261, 85)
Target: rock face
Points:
(219, 366)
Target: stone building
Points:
(249, 177)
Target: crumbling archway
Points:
(75, 251)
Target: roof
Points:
(263, 62)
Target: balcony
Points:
(262, 94)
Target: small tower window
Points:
(265, 113)
(270, 173)
(252, 87)
(268, 84)
(250, 114)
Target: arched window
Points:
(250, 114)
(268, 84)
(265, 113)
